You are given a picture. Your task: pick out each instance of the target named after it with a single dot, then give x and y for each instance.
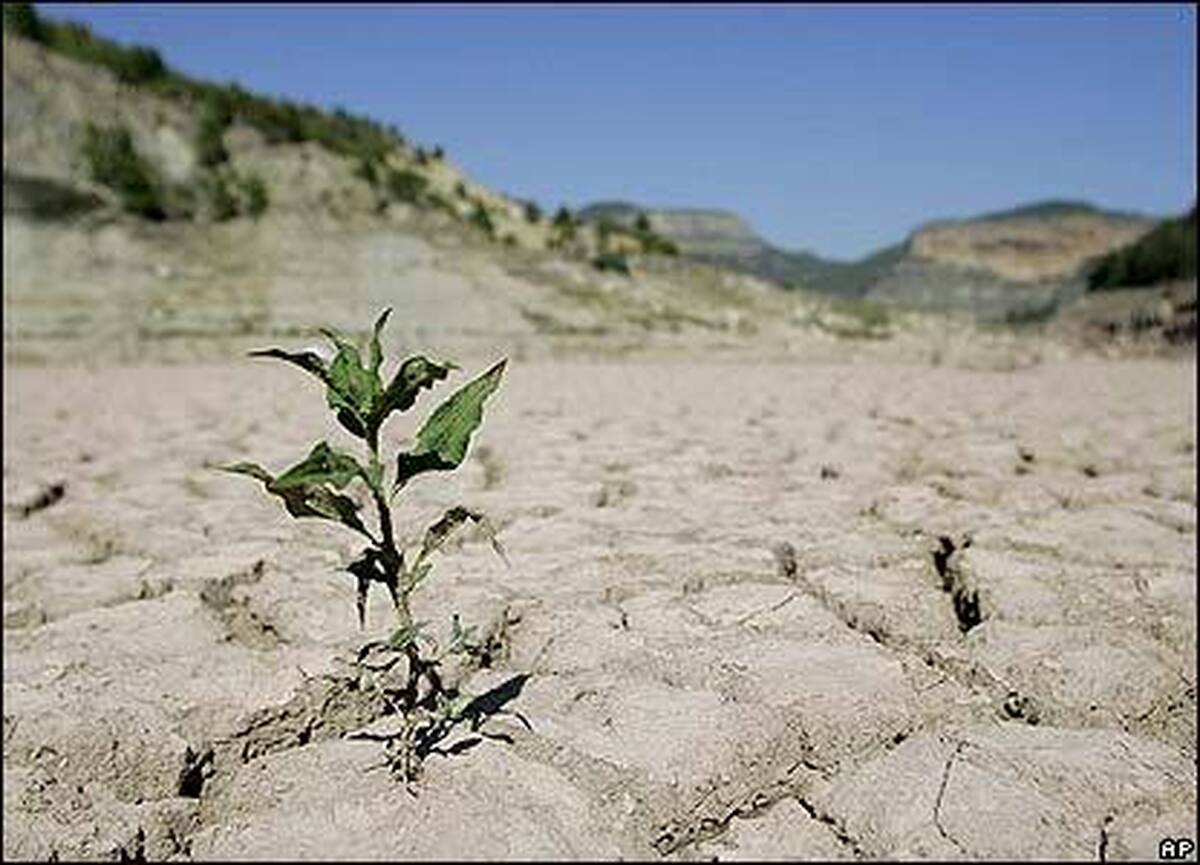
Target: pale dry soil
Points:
(766, 610)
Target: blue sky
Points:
(836, 129)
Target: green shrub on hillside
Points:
(210, 135)
(656, 244)
(481, 218)
(113, 162)
(278, 121)
(565, 223)
(222, 204)
(613, 261)
(21, 19)
(133, 65)
(367, 171)
(406, 185)
(1167, 253)
(254, 189)
(533, 213)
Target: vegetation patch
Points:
(1166, 253)
(113, 161)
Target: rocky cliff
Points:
(1014, 266)
(1010, 265)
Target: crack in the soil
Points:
(836, 829)
(937, 806)
(769, 609)
(970, 675)
(746, 796)
(1102, 848)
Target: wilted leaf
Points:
(252, 469)
(322, 502)
(443, 439)
(302, 490)
(306, 360)
(414, 375)
(437, 534)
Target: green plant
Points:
(113, 162)
(254, 188)
(613, 261)
(533, 213)
(1167, 252)
(406, 185)
(222, 204)
(210, 135)
(367, 171)
(362, 403)
(481, 218)
(22, 19)
(563, 218)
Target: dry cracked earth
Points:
(756, 610)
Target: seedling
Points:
(355, 392)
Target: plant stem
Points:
(391, 557)
(393, 564)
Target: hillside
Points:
(723, 238)
(140, 219)
(149, 212)
(997, 266)
(1165, 253)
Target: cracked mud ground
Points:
(769, 611)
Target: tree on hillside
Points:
(21, 19)
(1167, 252)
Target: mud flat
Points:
(766, 610)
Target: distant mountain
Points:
(1008, 265)
(723, 238)
(998, 265)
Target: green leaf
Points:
(406, 635)
(252, 469)
(353, 390)
(416, 575)
(414, 375)
(459, 636)
(375, 349)
(306, 360)
(442, 441)
(302, 486)
(342, 388)
(322, 465)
